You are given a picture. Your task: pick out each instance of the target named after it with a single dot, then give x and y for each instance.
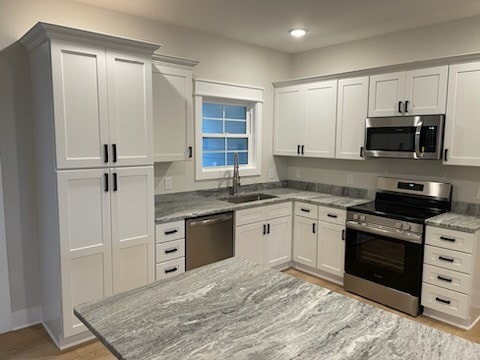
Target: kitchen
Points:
(253, 65)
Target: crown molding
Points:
(172, 60)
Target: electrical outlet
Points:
(168, 183)
(350, 179)
(297, 173)
(271, 173)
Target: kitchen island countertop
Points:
(234, 309)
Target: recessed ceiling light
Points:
(298, 33)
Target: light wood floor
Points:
(34, 342)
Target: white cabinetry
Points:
(170, 249)
(172, 108)
(351, 114)
(92, 115)
(462, 124)
(450, 290)
(305, 239)
(415, 92)
(264, 234)
(305, 118)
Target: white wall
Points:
(220, 59)
(442, 40)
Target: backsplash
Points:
(331, 189)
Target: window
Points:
(226, 123)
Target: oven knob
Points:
(406, 226)
(398, 225)
(355, 216)
(362, 218)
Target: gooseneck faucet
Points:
(236, 175)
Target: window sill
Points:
(225, 173)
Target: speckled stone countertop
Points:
(455, 221)
(235, 309)
(178, 206)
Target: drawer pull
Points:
(170, 232)
(447, 238)
(444, 278)
(332, 216)
(171, 270)
(444, 258)
(443, 300)
(170, 251)
(305, 210)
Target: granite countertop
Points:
(179, 206)
(454, 221)
(235, 309)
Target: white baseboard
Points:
(26, 317)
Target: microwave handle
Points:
(418, 131)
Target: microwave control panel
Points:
(428, 139)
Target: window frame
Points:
(229, 94)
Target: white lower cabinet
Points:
(305, 241)
(450, 289)
(169, 249)
(263, 238)
(331, 248)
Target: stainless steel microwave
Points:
(406, 137)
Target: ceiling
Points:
(267, 22)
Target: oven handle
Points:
(413, 238)
(418, 132)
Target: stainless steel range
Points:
(385, 241)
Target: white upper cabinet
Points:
(305, 118)
(102, 106)
(416, 92)
(172, 112)
(462, 123)
(351, 114)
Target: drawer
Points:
(169, 250)
(448, 259)
(447, 301)
(278, 210)
(169, 231)
(262, 213)
(450, 239)
(332, 215)
(448, 279)
(306, 210)
(169, 268)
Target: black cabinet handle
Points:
(447, 238)
(446, 259)
(400, 106)
(105, 176)
(303, 148)
(305, 210)
(444, 278)
(332, 216)
(313, 228)
(298, 149)
(268, 228)
(443, 300)
(343, 234)
(105, 152)
(171, 270)
(190, 152)
(361, 151)
(445, 155)
(170, 251)
(170, 232)
(264, 229)
(406, 106)
(115, 182)
(114, 150)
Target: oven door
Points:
(385, 260)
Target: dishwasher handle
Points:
(210, 220)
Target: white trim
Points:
(224, 90)
(26, 317)
(5, 304)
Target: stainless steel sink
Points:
(243, 198)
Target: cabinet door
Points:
(172, 113)
(462, 123)
(277, 245)
(129, 82)
(426, 91)
(386, 91)
(80, 104)
(351, 114)
(331, 248)
(85, 241)
(289, 120)
(133, 240)
(305, 241)
(248, 241)
(321, 115)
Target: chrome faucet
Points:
(236, 175)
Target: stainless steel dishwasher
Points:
(208, 239)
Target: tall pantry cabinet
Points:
(92, 110)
